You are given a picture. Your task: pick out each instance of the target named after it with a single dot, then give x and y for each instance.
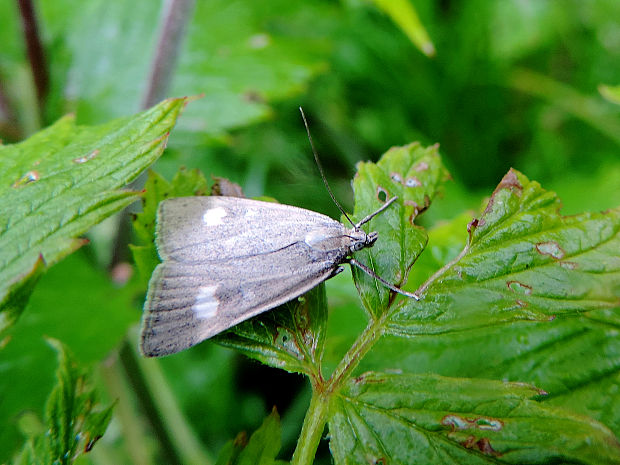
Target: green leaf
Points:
(404, 14)
(235, 53)
(523, 261)
(429, 419)
(75, 303)
(261, 449)
(250, 58)
(19, 294)
(611, 93)
(590, 110)
(157, 188)
(58, 183)
(576, 360)
(413, 173)
(291, 336)
(231, 450)
(445, 242)
(74, 419)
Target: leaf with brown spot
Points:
(414, 174)
(523, 261)
(429, 419)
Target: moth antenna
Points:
(318, 164)
(373, 214)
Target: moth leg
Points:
(390, 286)
(336, 271)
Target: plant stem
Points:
(179, 443)
(353, 357)
(38, 64)
(322, 392)
(312, 429)
(316, 416)
(176, 16)
(588, 109)
(9, 125)
(188, 446)
(136, 443)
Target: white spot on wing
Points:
(206, 303)
(213, 216)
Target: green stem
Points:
(322, 392)
(187, 444)
(132, 428)
(178, 440)
(586, 108)
(312, 429)
(355, 354)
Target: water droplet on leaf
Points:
(30, 176)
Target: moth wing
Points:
(220, 228)
(188, 302)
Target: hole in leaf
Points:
(382, 194)
(286, 340)
(519, 288)
(551, 248)
(413, 182)
(490, 424)
(460, 423)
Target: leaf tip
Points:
(91, 442)
(193, 98)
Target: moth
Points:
(227, 259)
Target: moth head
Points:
(360, 240)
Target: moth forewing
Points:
(215, 228)
(227, 259)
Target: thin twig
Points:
(34, 48)
(174, 23)
(9, 125)
(175, 17)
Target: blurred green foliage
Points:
(512, 84)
